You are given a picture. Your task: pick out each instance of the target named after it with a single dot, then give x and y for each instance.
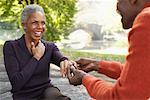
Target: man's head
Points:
(129, 9)
(33, 22)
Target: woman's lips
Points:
(38, 33)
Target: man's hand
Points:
(64, 66)
(75, 76)
(87, 64)
(38, 51)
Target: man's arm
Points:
(134, 81)
(111, 69)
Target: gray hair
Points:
(29, 9)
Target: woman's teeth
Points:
(38, 33)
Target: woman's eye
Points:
(34, 22)
(43, 23)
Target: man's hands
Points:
(69, 69)
(75, 76)
(37, 51)
(87, 64)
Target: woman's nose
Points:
(40, 25)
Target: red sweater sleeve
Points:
(111, 69)
(134, 81)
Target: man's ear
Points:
(133, 1)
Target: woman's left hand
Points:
(64, 66)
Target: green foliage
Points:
(59, 14)
(10, 11)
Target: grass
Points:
(75, 54)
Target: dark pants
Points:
(50, 93)
(53, 93)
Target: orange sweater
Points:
(133, 78)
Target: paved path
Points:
(74, 92)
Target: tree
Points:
(59, 15)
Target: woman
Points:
(27, 60)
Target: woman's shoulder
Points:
(48, 43)
(7, 45)
(15, 41)
(10, 42)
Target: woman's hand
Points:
(38, 51)
(64, 66)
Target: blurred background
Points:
(80, 28)
(85, 25)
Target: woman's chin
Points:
(36, 39)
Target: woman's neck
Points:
(28, 42)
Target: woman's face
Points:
(35, 26)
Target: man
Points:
(27, 59)
(133, 82)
